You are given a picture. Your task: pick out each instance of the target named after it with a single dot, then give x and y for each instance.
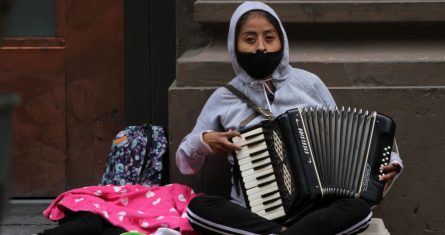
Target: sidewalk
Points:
(24, 217)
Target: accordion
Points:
(306, 155)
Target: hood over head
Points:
(245, 7)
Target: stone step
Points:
(339, 63)
(316, 11)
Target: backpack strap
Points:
(147, 130)
(264, 112)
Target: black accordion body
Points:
(306, 155)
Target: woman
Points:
(258, 49)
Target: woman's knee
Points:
(197, 202)
(203, 204)
(360, 207)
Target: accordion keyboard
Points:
(257, 174)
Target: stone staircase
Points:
(300, 11)
(382, 55)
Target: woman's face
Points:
(258, 34)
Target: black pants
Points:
(217, 215)
(85, 223)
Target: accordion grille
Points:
(281, 165)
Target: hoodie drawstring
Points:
(266, 90)
(263, 84)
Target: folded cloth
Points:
(166, 231)
(131, 207)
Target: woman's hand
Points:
(219, 141)
(390, 171)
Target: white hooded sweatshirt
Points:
(295, 88)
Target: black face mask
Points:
(259, 65)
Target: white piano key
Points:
(247, 151)
(237, 140)
(254, 139)
(244, 141)
(264, 207)
(254, 148)
(253, 158)
(249, 137)
(271, 215)
(258, 195)
(253, 132)
(258, 182)
(259, 189)
(261, 200)
(252, 171)
(252, 165)
(267, 170)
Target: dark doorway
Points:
(149, 60)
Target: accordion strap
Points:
(264, 112)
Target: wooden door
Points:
(72, 87)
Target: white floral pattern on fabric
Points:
(150, 194)
(124, 201)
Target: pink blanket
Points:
(132, 207)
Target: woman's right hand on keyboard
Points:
(219, 141)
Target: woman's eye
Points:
(250, 40)
(270, 38)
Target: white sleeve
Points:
(193, 151)
(395, 158)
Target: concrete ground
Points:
(24, 217)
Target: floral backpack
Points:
(136, 156)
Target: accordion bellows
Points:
(306, 155)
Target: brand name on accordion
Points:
(366, 177)
(303, 141)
